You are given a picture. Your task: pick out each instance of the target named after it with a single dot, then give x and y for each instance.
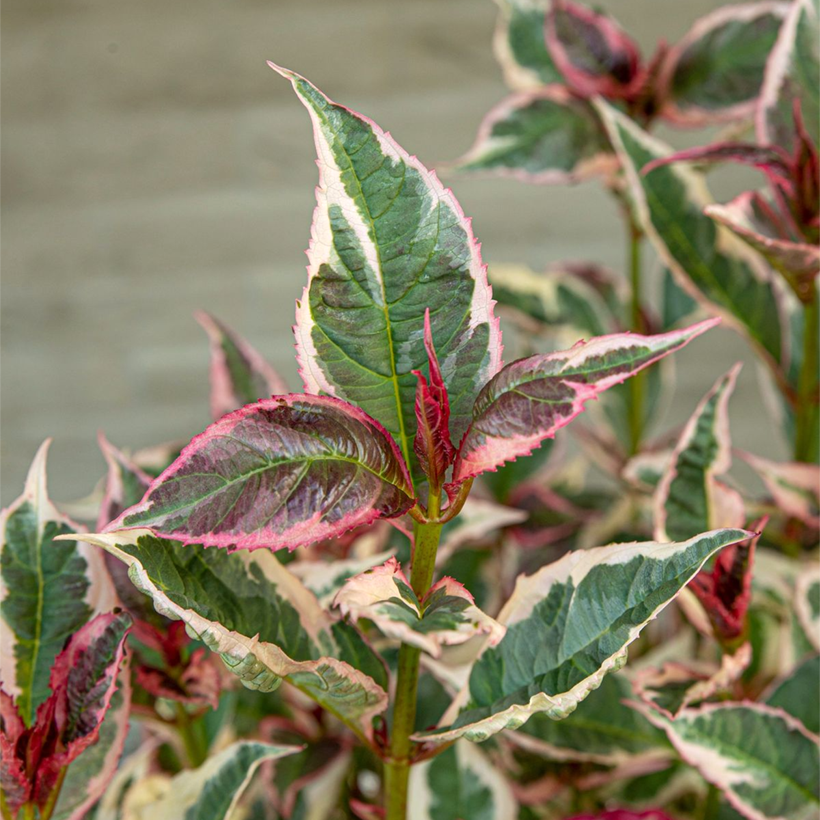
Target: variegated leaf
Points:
(715, 71)
(799, 694)
(531, 399)
(794, 486)
(446, 616)
(807, 603)
(520, 47)
(689, 499)
(545, 136)
(259, 617)
(239, 374)
(791, 79)
(48, 590)
(763, 760)
(210, 792)
(279, 473)
(388, 242)
(567, 626)
(459, 783)
(708, 261)
(748, 216)
(125, 484)
(603, 729)
(676, 686)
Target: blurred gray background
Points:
(153, 165)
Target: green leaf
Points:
(520, 46)
(807, 603)
(460, 783)
(48, 590)
(282, 472)
(446, 616)
(799, 694)
(388, 242)
(676, 304)
(715, 71)
(545, 136)
(764, 761)
(708, 261)
(689, 499)
(259, 617)
(603, 729)
(791, 77)
(567, 626)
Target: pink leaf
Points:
(279, 473)
(531, 399)
(432, 445)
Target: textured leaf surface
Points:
(676, 686)
(716, 70)
(520, 46)
(545, 136)
(603, 729)
(794, 486)
(689, 499)
(48, 590)
(799, 694)
(763, 761)
(388, 242)
(709, 262)
(567, 626)
(278, 473)
(791, 78)
(460, 783)
(210, 792)
(446, 616)
(807, 603)
(531, 399)
(239, 373)
(263, 622)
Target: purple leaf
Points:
(592, 51)
(531, 399)
(279, 473)
(773, 161)
(432, 445)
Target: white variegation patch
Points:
(807, 603)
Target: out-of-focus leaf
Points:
(279, 473)
(799, 694)
(807, 603)
(125, 484)
(567, 626)
(520, 47)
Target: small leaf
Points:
(446, 616)
(519, 44)
(210, 792)
(432, 446)
(125, 484)
(807, 604)
(762, 759)
(791, 79)
(708, 261)
(279, 473)
(531, 399)
(603, 729)
(773, 161)
(794, 486)
(239, 374)
(714, 73)
(48, 590)
(689, 499)
(264, 623)
(459, 783)
(799, 694)
(594, 54)
(676, 686)
(567, 626)
(388, 243)
(544, 136)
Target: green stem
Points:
(806, 411)
(5, 811)
(49, 807)
(397, 764)
(637, 384)
(193, 738)
(711, 804)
